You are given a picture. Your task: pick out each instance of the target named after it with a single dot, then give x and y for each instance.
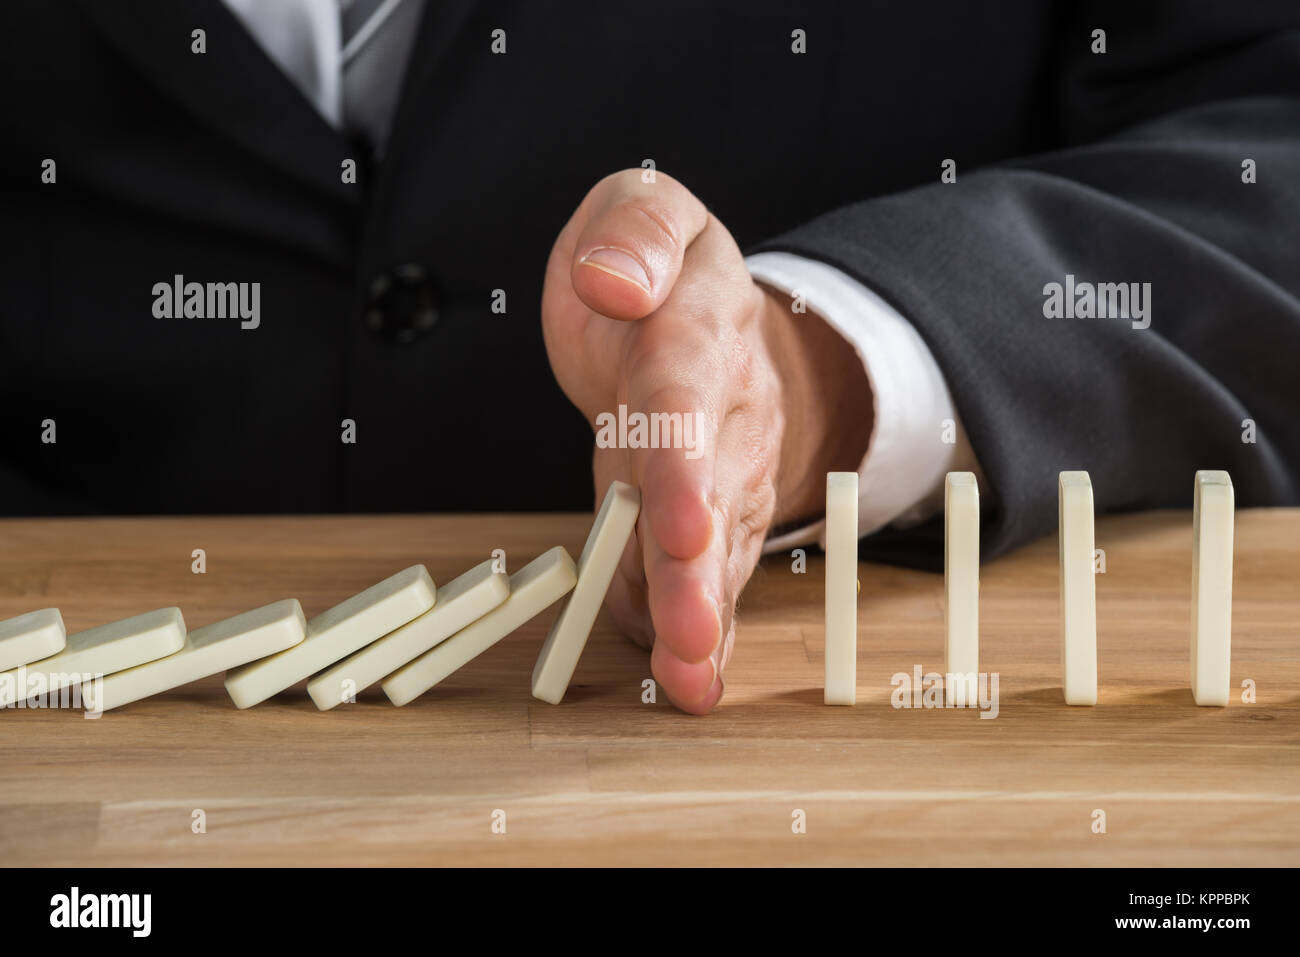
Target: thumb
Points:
(630, 253)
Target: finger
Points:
(688, 604)
(728, 645)
(692, 601)
(746, 549)
(678, 483)
(630, 252)
(694, 688)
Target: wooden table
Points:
(607, 779)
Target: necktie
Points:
(376, 38)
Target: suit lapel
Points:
(440, 23)
(234, 87)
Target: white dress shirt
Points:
(901, 476)
(900, 479)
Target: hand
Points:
(648, 304)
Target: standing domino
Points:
(461, 601)
(31, 637)
(1078, 590)
(1212, 587)
(596, 566)
(961, 587)
(841, 685)
(99, 651)
(536, 586)
(335, 634)
(208, 651)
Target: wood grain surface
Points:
(604, 778)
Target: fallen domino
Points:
(461, 601)
(600, 556)
(335, 634)
(1078, 589)
(961, 585)
(98, 651)
(841, 681)
(31, 637)
(534, 588)
(207, 651)
(1211, 645)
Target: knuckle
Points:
(742, 363)
(664, 230)
(666, 202)
(762, 463)
(751, 529)
(681, 398)
(649, 348)
(747, 544)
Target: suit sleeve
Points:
(1148, 185)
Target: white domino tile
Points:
(31, 637)
(102, 650)
(1212, 521)
(1078, 589)
(841, 684)
(961, 586)
(461, 601)
(335, 634)
(208, 651)
(535, 587)
(596, 566)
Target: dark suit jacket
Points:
(1116, 167)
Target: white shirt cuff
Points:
(916, 436)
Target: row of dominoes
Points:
(403, 632)
(1211, 631)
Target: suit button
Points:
(403, 305)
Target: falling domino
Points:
(961, 585)
(1212, 588)
(536, 586)
(100, 651)
(461, 601)
(596, 566)
(841, 685)
(31, 637)
(1078, 590)
(335, 634)
(208, 651)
